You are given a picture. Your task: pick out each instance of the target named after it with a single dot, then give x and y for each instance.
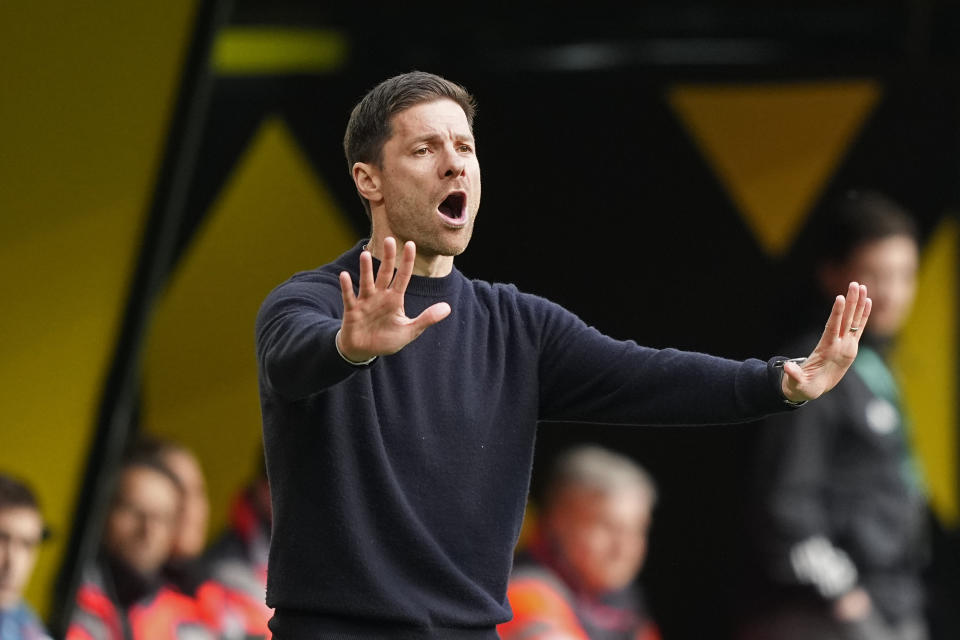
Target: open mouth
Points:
(454, 208)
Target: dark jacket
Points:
(839, 500)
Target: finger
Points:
(853, 296)
(430, 316)
(405, 270)
(366, 274)
(346, 289)
(832, 328)
(385, 275)
(858, 313)
(866, 314)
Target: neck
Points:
(431, 266)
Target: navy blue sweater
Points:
(399, 487)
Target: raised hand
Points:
(374, 322)
(835, 352)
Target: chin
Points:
(444, 248)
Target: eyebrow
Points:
(433, 137)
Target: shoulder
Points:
(29, 624)
(316, 289)
(314, 280)
(541, 601)
(319, 280)
(509, 296)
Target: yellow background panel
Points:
(86, 90)
(253, 50)
(926, 359)
(774, 146)
(200, 381)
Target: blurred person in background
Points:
(239, 555)
(21, 532)
(577, 581)
(840, 526)
(229, 603)
(124, 593)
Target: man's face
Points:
(429, 180)
(143, 521)
(889, 269)
(21, 530)
(602, 535)
(192, 533)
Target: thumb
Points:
(431, 316)
(793, 371)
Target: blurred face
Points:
(143, 521)
(427, 187)
(21, 530)
(602, 536)
(192, 534)
(889, 269)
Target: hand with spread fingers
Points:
(374, 321)
(835, 352)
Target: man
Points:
(124, 594)
(576, 580)
(21, 532)
(841, 507)
(399, 466)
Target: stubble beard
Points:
(412, 220)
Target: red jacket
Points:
(164, 615)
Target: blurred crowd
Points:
(154, 575)
(838, 513)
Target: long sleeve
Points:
(588, 376)
(296, 329)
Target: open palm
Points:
(374, 321)
(835, 352)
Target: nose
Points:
(454, 164)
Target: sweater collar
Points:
(424, 286)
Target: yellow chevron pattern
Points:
(273, 218)
(87, 90)
(926, 359)
(774, 146)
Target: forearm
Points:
(599, 379)
(296, 351)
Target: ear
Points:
(367, 178)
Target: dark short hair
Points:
(16, 494)
(143, 455)
(151, 446)
(370, 127)
(860, 217)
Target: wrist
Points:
(784, 390)
(356, 363)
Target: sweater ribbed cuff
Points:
(336, 343)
